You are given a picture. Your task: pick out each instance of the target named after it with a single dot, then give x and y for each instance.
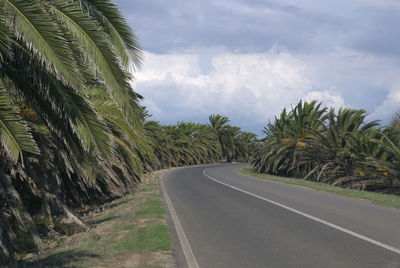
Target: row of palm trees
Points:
(68, 114)
(188, 143)
(338, 148)
(72, 130)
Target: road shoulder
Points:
(127, 232)
(377, 198)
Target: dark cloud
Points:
(378, 32)
(237, 25)
(176, 26)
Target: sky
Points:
(249, 59)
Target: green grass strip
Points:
(383, 199)
(152, 208)
(150, 238)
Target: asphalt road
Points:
(225, 219)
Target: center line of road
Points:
(337, 227)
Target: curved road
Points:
(224, 219)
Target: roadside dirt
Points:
(127, 232)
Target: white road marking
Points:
(187, 250)
(337, 227)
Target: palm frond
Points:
(121, 36)
(93, 131)
(96, 44)
(14, 133)
(67, 114)
(32, 24)
(4, 34)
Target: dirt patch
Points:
(120, 235)
(152, 259)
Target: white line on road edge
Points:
(337, 227)
(187, 250)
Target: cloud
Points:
(249, 88)
(381, 3)
(389, 108)
(329, 98)
(248, 59)
(242, 26)
(258, 25)
(362, 79)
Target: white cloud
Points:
(389, 107)
(330, 98)
(249, 88)
(162, 67)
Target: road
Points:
(226, 219)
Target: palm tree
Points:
(225, 134)
(276, 153)
(245, 143)
(65, 52)
(337, 154)
(385, 158)
(62, 65)
(186, 143)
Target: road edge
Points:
(184, 243)
(371, 197)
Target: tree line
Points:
(335, 147)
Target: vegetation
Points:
(72, 130)
(235, 144)
(379, 198)
(340, 148)
(128, 232)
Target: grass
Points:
(152, 207)
(130, 232)
(383, 199)
(146, 238)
